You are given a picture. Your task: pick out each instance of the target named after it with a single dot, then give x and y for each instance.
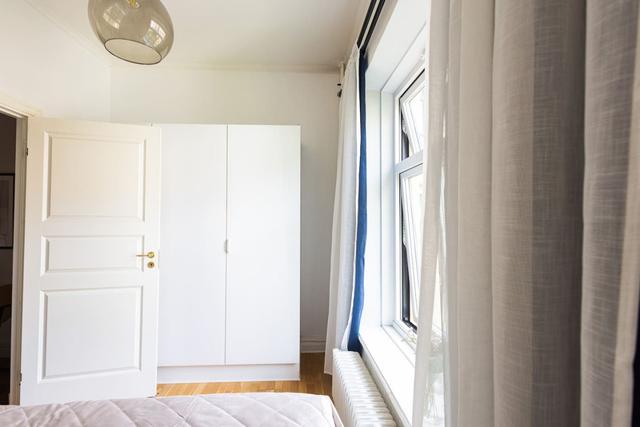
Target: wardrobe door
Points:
(263, 261)
(192, 259)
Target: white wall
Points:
(185, 95)
(46, 68)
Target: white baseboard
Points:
(213, 374)
(312, 344)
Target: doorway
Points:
(8, 127)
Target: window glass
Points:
(412, 194)
(413, 104)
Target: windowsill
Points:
(391, 362)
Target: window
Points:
(409, 182)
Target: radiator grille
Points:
(355, 395)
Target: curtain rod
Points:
(369, 24)
(366, 31)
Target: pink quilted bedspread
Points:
(243, 409)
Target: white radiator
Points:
(355, 395)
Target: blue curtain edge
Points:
(354, 343)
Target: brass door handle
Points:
(149, 255)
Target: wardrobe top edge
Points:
(224, 124)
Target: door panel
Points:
(192, 285)
(74, 346)
(93, 253)
(90, 303)
(263, 264)
(100, 192)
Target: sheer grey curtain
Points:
(533, 211)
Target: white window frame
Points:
(396, 58)
(411, 165)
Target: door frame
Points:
(21, 112)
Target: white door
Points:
(90, 302)
(263, 264)
(194, 227)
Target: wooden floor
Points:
(312, 380)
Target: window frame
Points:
(412, 164)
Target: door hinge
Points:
(26, 151)
(226, 246)
(20, 377)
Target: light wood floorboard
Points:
(313, 380)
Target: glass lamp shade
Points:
(138, 31)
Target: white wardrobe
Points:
(230, 253)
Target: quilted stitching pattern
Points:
(232, 410)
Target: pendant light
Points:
(138, 31)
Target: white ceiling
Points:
(310, 35)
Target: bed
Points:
(240, 409)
